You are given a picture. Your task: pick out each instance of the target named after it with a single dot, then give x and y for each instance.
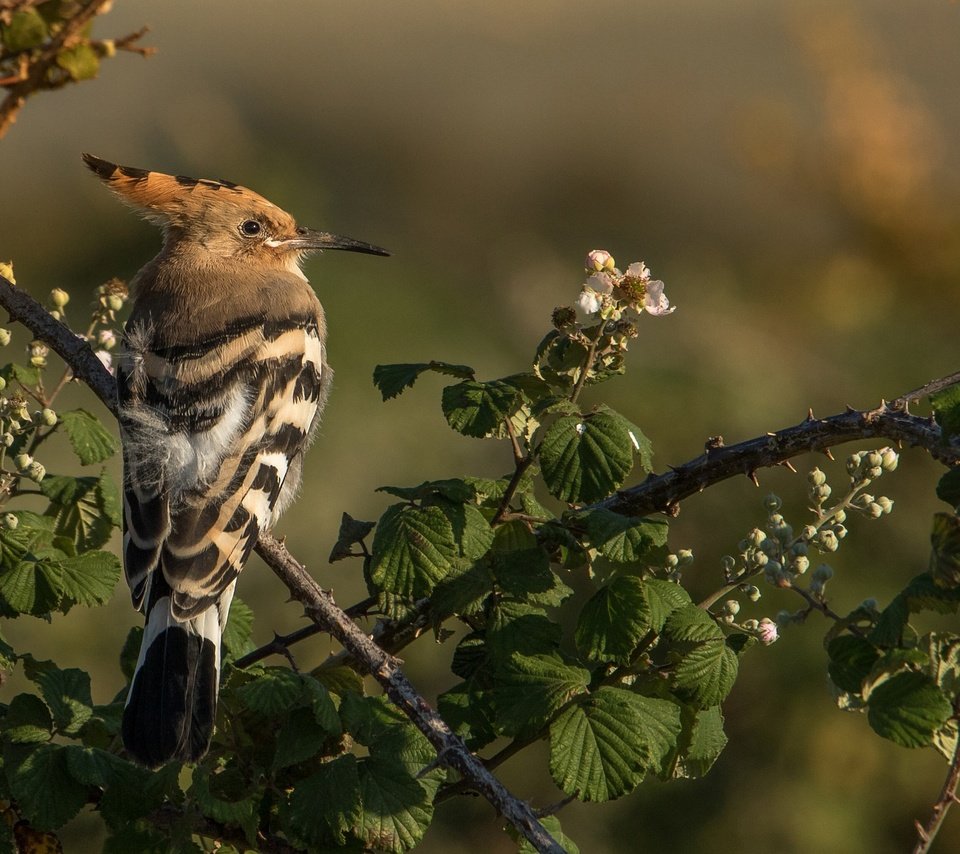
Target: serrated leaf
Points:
(530, 688)
(585, 460)
(42, 784)
(66, 692)
(91, 441)
(298, 739)
(30, 574)
(552, 825)
(91, 765)
(704, 741)
(948, 487)
(663, 598)
(469, 712)
(134, 792)
(339, 680)
(521, 627)
(391, 380)
(945, 554)
(396, 808)
(453, 489)
(693, 624)
(412, 550)
(228, 797)
(463, 591)
(476, 408)
(90, 578)
(272, 692)
(525, 575)
(238, 634)
(77, 508)
(27, 720)
(851, 660)
(946, 408)
(705, 675)
(624, 539)
(471, 530)
(613, 621)
(337, 787)
(602, 745)
(908, 709)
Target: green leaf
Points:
(706, 674)
(91, 441)
(91, 765)
(298, 739)
(335, 788)
(25, 30)
(469, 712)
(134, 792)
(471, 530)
(42, 784)
(227, 796)
(478, 409)
(526, 575)
(704, 742)
(530, 688)
(77, 508)
(692, 623)
(412, 550)
(520, 627)
(946, 408)
(238, 634)
(602, 745)
(552, 825)
(79, 61)
(66, 692)
(585, 460)
(663, 598)
(272, 692)
(945, 555)
(352, 531)
(90, 578)
(613, 621)
(396, 808)
(391, 380)
(624, 539)
(948, 487)
(851, 660)
(908, 709)
(463, 591)
(27, 720)
(30, 574)
(453, 489)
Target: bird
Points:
(220, 386)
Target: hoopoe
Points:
(220, 389)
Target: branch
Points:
(451, 750)
(948, 796)
(320, 606)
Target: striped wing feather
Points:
(212, 440)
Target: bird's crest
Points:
(172, 199)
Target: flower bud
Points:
(3, 383)
(824, 572)
(597, 260)
(890, 458)
(59, 297)
(672, 561)
(114, 302)
(886, 505)
(772, 502)
(816, 477)
(768, 631)
(7, 439)
(731, 607)
(10, 521)
(753, 592)
(874, 511)
(800, 564)
(48, 417)
(820, 493)
(22, 461)
(828, 541)
(840, 516)
(36, 471)
(685, 556)
(853, 463)
(756, 536)
(840, 531)
(108, 338)
(873, 459)
(751, 625)
(728, 563)
(4, 337)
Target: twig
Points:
(451, 750)
(948, 796)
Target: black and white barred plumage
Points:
(220, 387)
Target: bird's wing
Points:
(212, 433)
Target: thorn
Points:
(810, 414)
(771, 435)
(920, 831)
(789, 466)
(828, 454)
(753, 476)
(674, 469)
(672, 510)
(849, 409)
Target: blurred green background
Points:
(786, 169)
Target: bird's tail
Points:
(173, 696)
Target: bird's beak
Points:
(307, 239)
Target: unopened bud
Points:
(3, 383)
(59, 297)
(685, 556)
(672, 561)
(4, 337)
(824, 572)
(22, 461)
(10, 521)
(48, 417)
(853, 463)
(816, 477)
(114, 302)
(800, 564)
(756, 536)
(36, 471)
(772, 502)
(873, 459)
(886, 504)
(890, 459)
(828, 541)
(732, 607)
(753, 592)
(597, 260)
(768, 631)
(7, 439)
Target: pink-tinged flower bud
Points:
(59, 297)
(768, 631)
(597, 260)
(107, 339)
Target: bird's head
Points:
(222, 218)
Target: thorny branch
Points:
(34, 68)
(659, 493)
(948, 796)
(319, 604)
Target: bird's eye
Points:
(250, 228)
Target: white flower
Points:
(655, 301)
(602, 283)
(591, 295)
(639, 270)
(589, 302)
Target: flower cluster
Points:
(610, 294)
